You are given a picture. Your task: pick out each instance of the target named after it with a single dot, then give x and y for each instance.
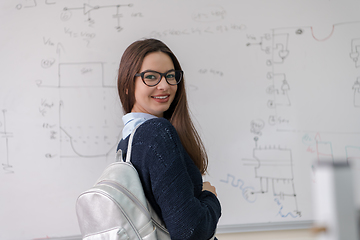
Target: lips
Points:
(161, 98)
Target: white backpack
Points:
(116, 207)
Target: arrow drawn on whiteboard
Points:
(60, 49)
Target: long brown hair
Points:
(178, 112)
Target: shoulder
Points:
(157, 138)
(158, 123)
(150, 132)
(156, 128)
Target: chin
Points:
(159, 112)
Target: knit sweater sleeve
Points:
(172, 182)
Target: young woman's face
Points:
(154, 100)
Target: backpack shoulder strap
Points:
(164, 233)
(128, 153)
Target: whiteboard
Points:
(273, 87)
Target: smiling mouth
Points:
(161, 97)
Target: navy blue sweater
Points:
(172, 182)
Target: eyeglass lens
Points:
(153, 78)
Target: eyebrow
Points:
(157, 71)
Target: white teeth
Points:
(162, 97)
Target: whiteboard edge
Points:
(271, 226)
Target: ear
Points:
(127, 91)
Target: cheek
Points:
(140, 90)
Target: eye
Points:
(170, 75)
(150, 77)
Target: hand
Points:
(207, 186)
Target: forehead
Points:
(157, 61)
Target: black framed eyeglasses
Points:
(152, 78)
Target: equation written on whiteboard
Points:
(219, 29)
(211, 71)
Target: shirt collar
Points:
(133, 119)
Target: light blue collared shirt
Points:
(132, 120)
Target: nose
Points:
(163, 85)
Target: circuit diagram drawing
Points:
(355, 51)
(279, 89)
(355, 56)
(88, 9)
(276, 46)
(324, 149)
(280, 47)
(299, 85)
(5, 136)
(280, 86)
(84, 130)
(292, 56)
(32, 3)
(273, 167)
(356, 89)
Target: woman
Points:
(167, 151)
